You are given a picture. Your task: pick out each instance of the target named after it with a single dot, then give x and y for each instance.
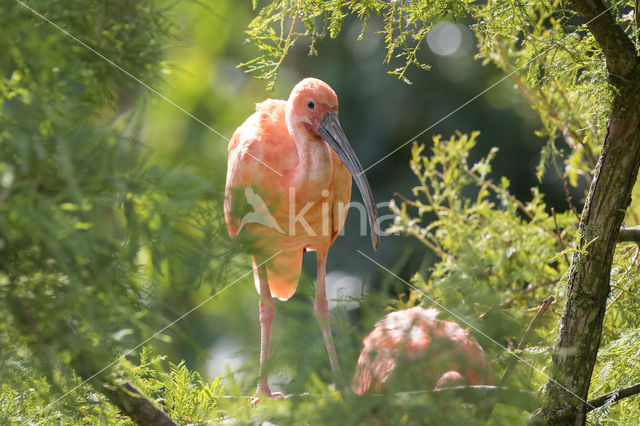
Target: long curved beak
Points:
(331, 131)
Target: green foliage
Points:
(406, 24)
(618, 368)
(555, 63)
(181, 393)
(99, 240)
(323, 406)
(498, 255)
(560, 71)
(89, 229)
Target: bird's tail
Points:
(283, 273)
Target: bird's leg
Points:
(267, 311)
(321, 309)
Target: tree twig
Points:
(526, 336)
(403, 198)
(614, 396)
(287, 41)
(567, 196)
(559, 236)
(526, 291)
(485, 412)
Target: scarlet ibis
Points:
(295, 163)
(415, 350)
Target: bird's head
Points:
(309, 102)
(313, 105)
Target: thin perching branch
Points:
(614, 396)
(631, 234)
(526, 336)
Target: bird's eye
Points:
(310, 105)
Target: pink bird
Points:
(420, 351)
(298, 162)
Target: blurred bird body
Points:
(415, 350)
(298, 165)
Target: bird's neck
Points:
(310, 147)
(314, 155)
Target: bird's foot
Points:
(265, 393)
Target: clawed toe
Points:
(263, 394)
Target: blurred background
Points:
(379, 113)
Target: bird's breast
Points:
(314, 198)
(314, 169)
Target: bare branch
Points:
(567, 197)
(559, 236)
(527, 335)
(614, 396)
(529, 289)
(631, 234)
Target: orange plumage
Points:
(420, 351)
(288, 189)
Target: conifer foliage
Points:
(91, 231)
(86, 226)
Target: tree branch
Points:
(615, 44)
(614, 396)
(631, 234)
(519, 398)
(133, 403)
(120, 392)
(483, 394)
(526, 336)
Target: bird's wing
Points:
(244, 171)
(260, 156)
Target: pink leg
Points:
(267, 311)
(321, 309)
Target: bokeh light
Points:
(444, 39)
